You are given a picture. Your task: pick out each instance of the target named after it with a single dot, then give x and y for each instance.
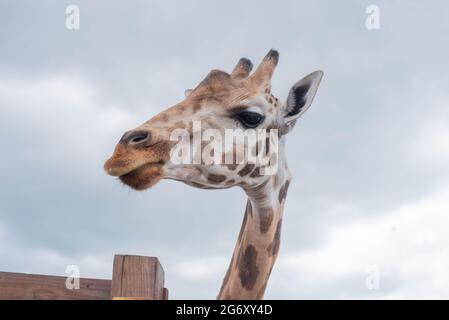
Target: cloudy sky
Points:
(370, 158)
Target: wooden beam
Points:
(137, 277)
(22, 286)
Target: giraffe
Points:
(239, 100)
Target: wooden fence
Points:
(133, 277)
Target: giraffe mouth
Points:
(144, 176)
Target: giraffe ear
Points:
(301, 96)
(187, 92)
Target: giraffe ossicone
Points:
(239, 101)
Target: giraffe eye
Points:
(250, 119)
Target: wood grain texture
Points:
(21, 286)
(165, 294)
(137, 276)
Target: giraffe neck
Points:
(258, 243)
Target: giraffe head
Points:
(239, 100)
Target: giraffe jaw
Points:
(138, 168)
(143, 177)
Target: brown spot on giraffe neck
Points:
(247, 266)
(283, 191)
(246, 169)
(266, 216)
(232, 166)
(216, 178)
(255, 173)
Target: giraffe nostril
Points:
(135, 137)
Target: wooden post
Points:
(138, 277)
